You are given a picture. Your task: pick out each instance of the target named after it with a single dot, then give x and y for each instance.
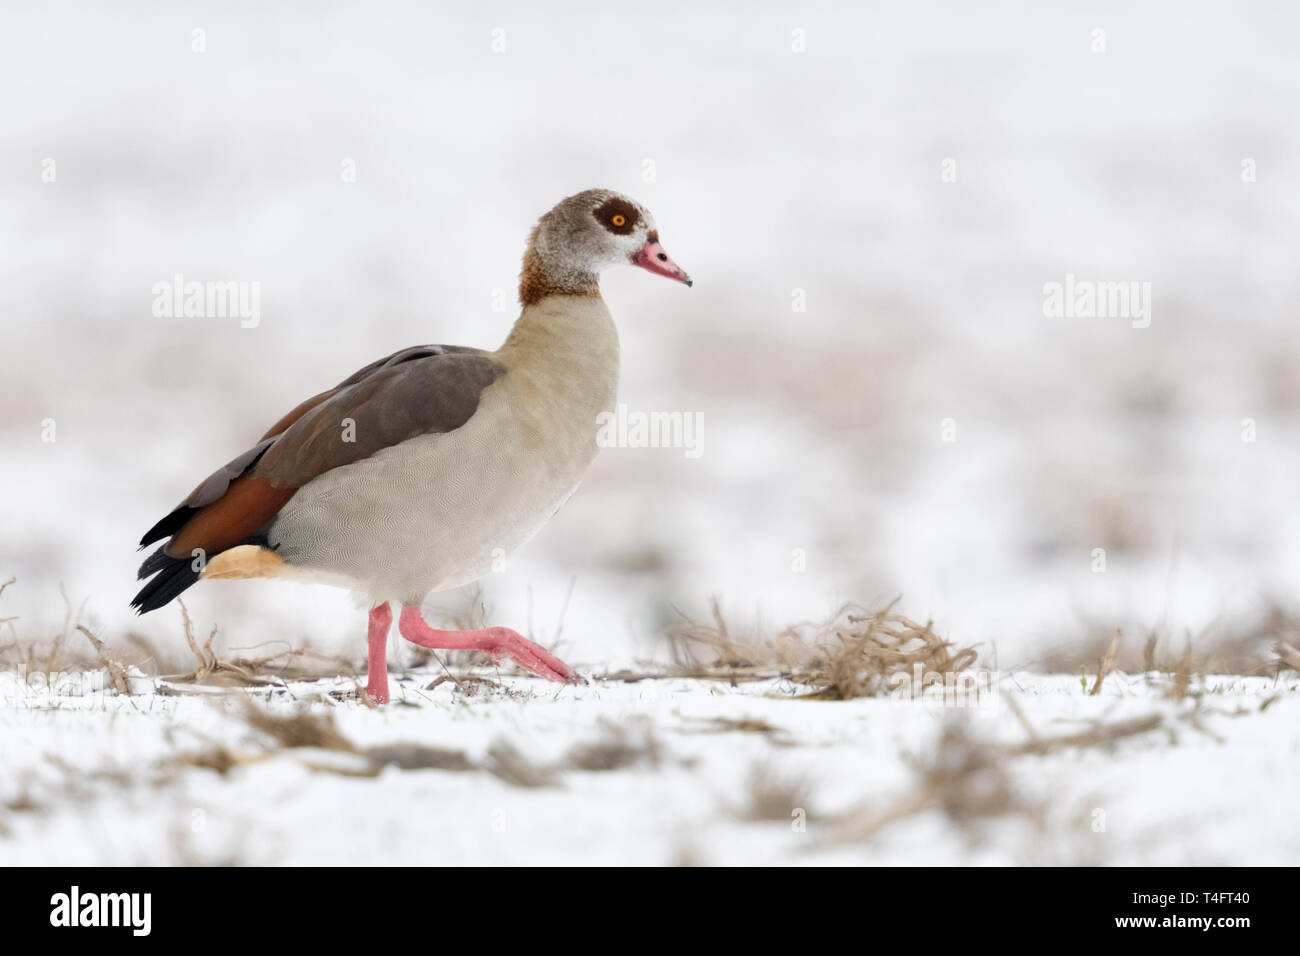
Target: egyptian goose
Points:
(412, 475)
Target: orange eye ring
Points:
(619, 220)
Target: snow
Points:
(91, 777)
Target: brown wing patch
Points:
(208, 491)
(301, 410)
(248, 504)
(397, 358)
(394, 404)
(617, 215)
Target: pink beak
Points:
(652, 258)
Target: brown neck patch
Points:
(540, 279)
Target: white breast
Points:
(436, 512)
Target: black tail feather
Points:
(154, 563)
(168, 525)
(174, 575)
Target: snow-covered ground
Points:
(658, 771)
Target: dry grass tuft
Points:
(1097, 735)
(3, 586)
(118, 656)
(856, 652)
(875, 647)
(1108, 661)
(616, 747)
(34, 656)
(115, 670)
(965, 777)
(506, 762)
(407, 756)
(969, 779)
(711, 646)
(239, 672)
(318, 732)
(1182, 675)
(302, 729)
(729, 725)
(1287, 656)
(467, 685)
(773, 795)
(619, 746)
(1238, 645)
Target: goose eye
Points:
(617, 215)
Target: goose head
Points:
(586, 234)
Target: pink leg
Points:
(498, 641)
(381, 618)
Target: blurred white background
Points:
(773, 171)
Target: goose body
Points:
(438, 511)
(423, 470)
